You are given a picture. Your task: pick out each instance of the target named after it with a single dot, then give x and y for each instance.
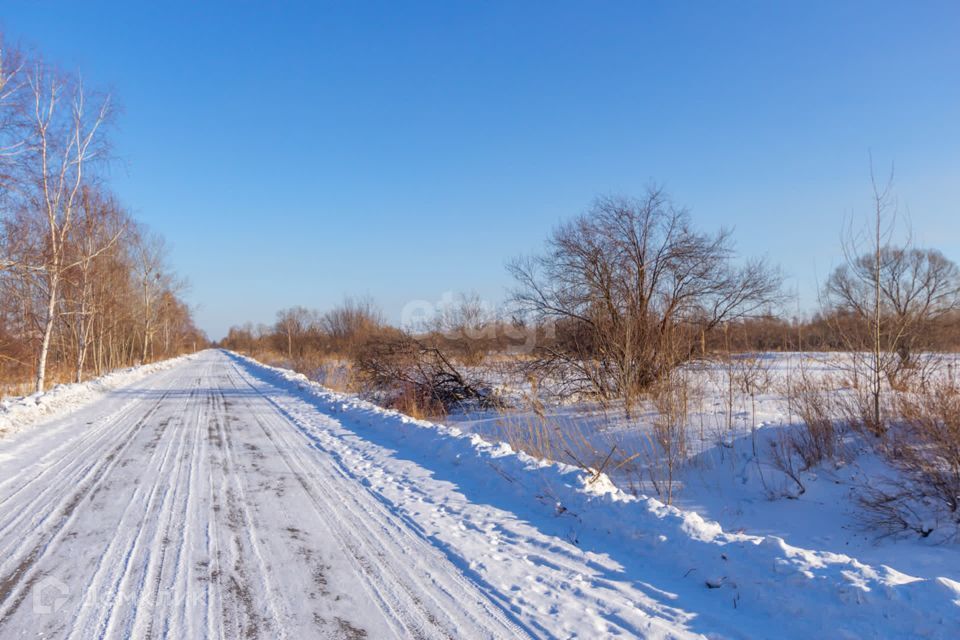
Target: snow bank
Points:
(745, 585)
(20, 412)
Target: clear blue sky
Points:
(294, 152)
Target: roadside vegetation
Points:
(648, 326)
(84, 287)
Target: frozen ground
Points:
(221, 498)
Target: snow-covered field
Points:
(219, 497)
(730, 476)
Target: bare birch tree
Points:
(12, 94)
(11, 130)
(98, 228)
(150, 253)
(65, 136)
(71, 293)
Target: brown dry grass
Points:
(814, 401)
(923, 444)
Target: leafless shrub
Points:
(893, 510)
(782, 453)
(857, 409)
(401, 366)
(817, 438)
(749, 373)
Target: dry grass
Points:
(671, 397)
(597, 450)
(815, 402)
(923, 444)
(565, 439)
(22, 383)
(331, 371)
(417, 403)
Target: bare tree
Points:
(12, 96)
(99, 226)
(669, 434)
(885, 300)
(466, 326)
(633, 288)
(64, 138)
(71, 292)
(12, 132)
(294, 324)
(150, 255)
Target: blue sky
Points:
(293, 153)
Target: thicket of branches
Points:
(83, 287)
(831, 329)
(305, 337)
(352, 347)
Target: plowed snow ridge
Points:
(218, 497)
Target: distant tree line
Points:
(84, 288)
(828, 330)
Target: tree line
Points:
(84, 287)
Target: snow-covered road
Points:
(219, 498)
(192, 504)
(188, 505)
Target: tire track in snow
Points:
(260, 476)
(183, 576)
(370, 526)
(110, 586)
(82, 454)
(143, 624)
(239, 519)
(15, 584)
(407, 618)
